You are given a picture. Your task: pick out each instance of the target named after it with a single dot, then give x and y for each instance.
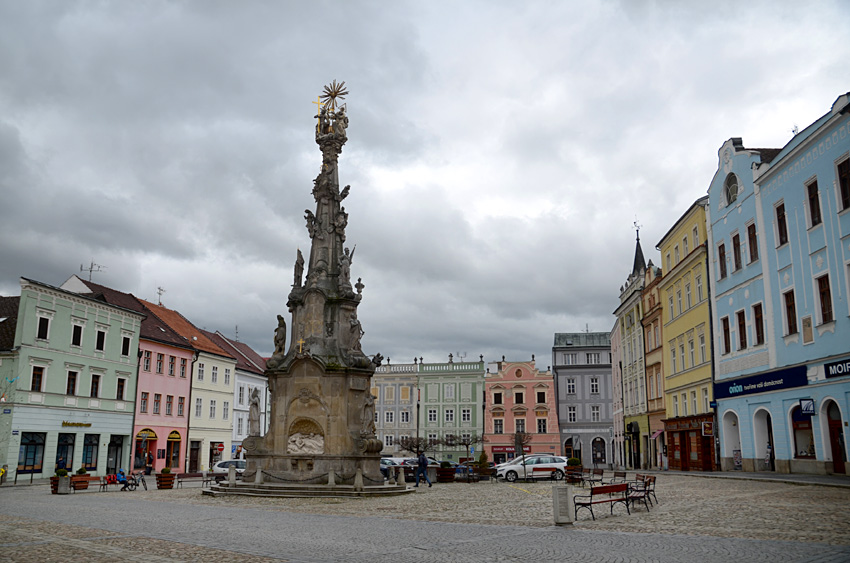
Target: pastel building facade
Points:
(653, 333)
(686, 363)
(520, 399)
(396, 391)
(617, 397)
(68, 373)
(581, 362)
(781, 320)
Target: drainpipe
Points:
(189, 414)
(711, 339)
(135, 410)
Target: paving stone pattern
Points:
(696, 519)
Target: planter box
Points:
(60, 485)
(446, 475)
(80, 482)
(165, 480)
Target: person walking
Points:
(422, 468)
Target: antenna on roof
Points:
(795, 130)
(236, 333)
(159, 292)
(461, 355)
(92, 268)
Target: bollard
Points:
(331, 478)
(358, 480)
(562, 504)
(231, 476)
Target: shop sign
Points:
(66, 423)
(708, 428)
(837, 369)
(807, 406)
(7, 411)
(773, 381)
(509, 449)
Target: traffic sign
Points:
(220, 448)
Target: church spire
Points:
(640, 264)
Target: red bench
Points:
(600, 494)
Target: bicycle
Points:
(139, 479)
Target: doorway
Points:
(836, 439)
(764, 449)
(113, 454)
(194, 456)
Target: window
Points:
(212, 408)
(143, 403)
(814, 203)
(200, 372)
(758, 324)
(450, 439)
(570, 359)
(77, 335)
(736, 251)
(227, 376)
(541, 426)
(702, 348)
(541, 397)
(90, 447)
(825, 299)
(675, 406)
(466, 415)
(593, 358)
(519, 397)
(183, 367)
(95, 385)
(571, 386)
(389, 417)
(497, 398)
(730, 189)
(679, 300)
(752, 242)
(694, 408)
(721, 260)
(790, 313)
(691, 352)
(844, 183)
(169, 404)
(146, 361)
(669, 262)
(239, 425)
(157, 400)
(498, 426)
(101, 340)
(31, 452)
(405, 417)
(432, 438)
(119, 389)
(673, 358)
(225, 410)
(159, 362)
(696, 237)
(594, 413)
(181, 401)
(388, 439)
(571, 414)
(171, 361)
(706, 404)
(688, 303)
(672, 312)
(804, 443)
(684, 405)
(682, 355)
(685, 245)
(742, 330)
(449, 391)
(676, 254)
(43, 328)
(781, 225)
(241, 395)
(199, 404)
(71, 383)
(594, 385)
(519, 423)
(726, 334)
(215, 374)
(450, 415)
(432, 415)
(699, 288)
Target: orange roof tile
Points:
(183, 327)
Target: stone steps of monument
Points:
(302, 491)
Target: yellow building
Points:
(686, 329)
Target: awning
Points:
(656, 434)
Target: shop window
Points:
(598, 447)
(804, 441)
(65, 451)
(31, 452)
(90, 449)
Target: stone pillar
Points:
(258, 478)
(331, 478)
(231, 476)
(562, 504)
(63, 486)
(358, 480)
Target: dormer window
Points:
(730, 189)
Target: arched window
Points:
(731, 189)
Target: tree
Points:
(469, 440)
(521, 439)
(416, 444)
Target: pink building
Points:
(519, 398)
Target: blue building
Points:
(779, 234)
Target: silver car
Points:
(537, 467)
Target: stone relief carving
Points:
(307, 444)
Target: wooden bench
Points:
(204, 477)
(600, 494)
(641, 490)
(573, 475)
(107, 480)
(619, 477)
(82, 482)
(541, 470)
(595, 476)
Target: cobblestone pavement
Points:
(696, 519)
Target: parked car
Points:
(538, 467)
(386, 464)
(221, 468)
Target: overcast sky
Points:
(498, 153)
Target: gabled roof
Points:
(186, 329)
(253, 364)
(153, 328)
(8, 321)
(640, 264)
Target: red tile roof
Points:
(186, 329)
(250, 361)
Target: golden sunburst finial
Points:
(332, 92)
